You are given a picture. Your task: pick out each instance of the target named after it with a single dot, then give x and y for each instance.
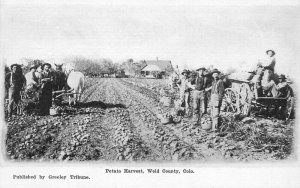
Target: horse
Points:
(60, 78)
(75, 81)
(59, 81)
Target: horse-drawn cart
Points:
(243, 96)
(30, 98)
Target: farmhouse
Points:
(157, 68)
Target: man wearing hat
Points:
(14, 82)
(266, 68)
(279, 90)
(184, 88)
(46, 79)
(217, 93)
(270, 61)
(201, 82)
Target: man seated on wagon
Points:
(263, 75)
(279, 90)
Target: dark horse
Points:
(60, 81)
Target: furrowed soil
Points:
(120, 119)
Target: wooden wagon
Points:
(242, 96)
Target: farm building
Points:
(157, 68)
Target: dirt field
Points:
(120, 119)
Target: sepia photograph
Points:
(88, 82)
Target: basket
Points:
(206, 124)
(54, 111)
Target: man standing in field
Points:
(199, 95)
(217, 93)
(15, 81)
(46, 94)
(184, 85)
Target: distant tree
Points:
(91, 66)
(27, 62)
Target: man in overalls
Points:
(46, 80)
(15, 81)
(217, 93)
(199, 94)
(184, 88)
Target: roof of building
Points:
(151, 68)
(164, 65)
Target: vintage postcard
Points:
(140, 94)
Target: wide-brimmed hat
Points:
(15, 65)
(282, 76)
(46, 64)
(215, 71)
(184, 71)
(201, 68)
(32, 67)
(270, 51)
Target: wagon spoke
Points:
(245, 99)
(229, 101)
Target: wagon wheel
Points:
(245, 99)
(289, 106)
(229, 101)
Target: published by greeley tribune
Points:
(50, 177)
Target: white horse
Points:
(75, 81)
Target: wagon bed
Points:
(243, 95)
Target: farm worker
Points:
(217, 93)
(60, 80)
(14, 82)
(31, 78)
(184, 88)
(279, 90)
(267, 67)
(270, 61)
(46, 80)
(199, 94)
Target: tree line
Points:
(90, 67)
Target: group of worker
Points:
(203, 84)
(208, 83)
(265, 78)
(41, 82)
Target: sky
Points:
(190, 36)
